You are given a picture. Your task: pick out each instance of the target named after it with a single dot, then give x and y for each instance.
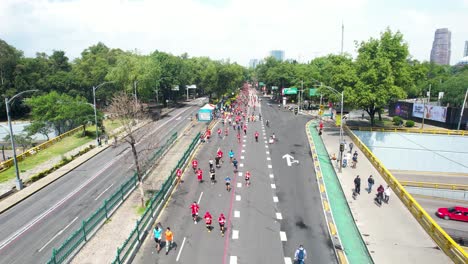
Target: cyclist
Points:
(231, 155)
(256, 136)
(194, 207)
(300, 255)
(199, 175)
(212, 175)
(221, 221)
(228, 183)
(234, 163)
(194, 165)
(247, 178)
(208, 219)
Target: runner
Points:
(219, 133)
(226, 131)
(245, 129)
(231, 155)
(179, 174)
(238, 138)
(234, 163)
(157, 231)
(208, 134)
(247, 178)
(212, 176)
(200, 175)
(220, 154)
(210, 162)
(217, 162)
(228, 183)
(195, 208)
(194, 165)
(169, 239)
(256, 136)
(221, 221)
(208, 219)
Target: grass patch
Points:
(111, 125)
(56, 150)
(140, 210)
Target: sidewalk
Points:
(391, 233)
(102, 247)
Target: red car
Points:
(453, 213)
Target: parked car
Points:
(453, 213)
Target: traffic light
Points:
(341, 147)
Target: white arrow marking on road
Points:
(290, 159)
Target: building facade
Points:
(253, 63)
(440, 53)
(465, 53)
(277, 54)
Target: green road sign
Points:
(261, 84)
(274, 87)
(313, 91)
(291, 90)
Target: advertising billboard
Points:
(403, 109)
(433, 112)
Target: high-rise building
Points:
(277, 54)
(440, 53)
(465, 53)
(253, 63)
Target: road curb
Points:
(331, 226)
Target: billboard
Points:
(403, 109)
(433, 112)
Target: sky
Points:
(238, 30)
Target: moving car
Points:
(453, 213)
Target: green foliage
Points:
(409, 123)
(397, 120)
(23, 140)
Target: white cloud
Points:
(236, 29)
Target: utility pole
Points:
(342, 36)
(462, 110)
(424, 106)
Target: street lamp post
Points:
(462, 110)
(95, 111)
(19, 182)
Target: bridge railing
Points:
(435, 185)
(441, 238)
(413, 130)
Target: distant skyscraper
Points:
(277, 54)
(253, 63)
(465, 54)
(440, 53)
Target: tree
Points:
(382, 70)
(38, 127)
(23, 140)
(454, 89)
(126, 111)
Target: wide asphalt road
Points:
(266, 221)
(30, 230)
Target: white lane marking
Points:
(279, 216)
(275, 199)
(235, 234)
(266, 146)
(268, 158)
(199, 198)
(264, 137)
(239, 185)
(103, 192)
(178, 118)
(243, 151)
(245, 136)
(241, 165)
(240, 174)
(244, 140)
(58, 234)
(287, 261)
(266, 142)
(129, 167)
(264, 133)
(283, 236)
(236, 214)
(269, 166)
(238, 197)
(243, 145)
(242, 157)
(272, 176)
(273, 186)
(180, 251)
(268, 152)
(233, 260)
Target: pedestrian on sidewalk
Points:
(351, 145)
(169, 239)
(387, 193)
(157, 231)
(357, 185)
(370, 182)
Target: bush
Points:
(397, 120)
(409, 123)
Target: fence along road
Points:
(32, 228)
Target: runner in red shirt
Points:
(194, 165)
(247, 178)
(221, 221)
(245, 129)
(195, 207)
(256, 136)
(220, 154)
(208, 134)
(238, 138)
(179, 174)
(219, 132)
(199, 175)
(208, 219)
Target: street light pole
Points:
(95, 111)
(424, 106)
(19, 182)
(462, 110)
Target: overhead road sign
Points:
(291, 90)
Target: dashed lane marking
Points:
(240, 174)
(266, 142)
(241, 165)
(244, 140)
(238, 197)
(268, 152)
(233, 260)
(236, 214)
(235, 234)
(288, 261)
(243, 150)
(269, 166)
(268, 158)
(332, 228)
(322, 188)
(242, 157)
(279, 216)
(199, 198)
(275, 199)
(266, 146)
(273, 186)
(181, 248)
(272, 176)
(239, 185)
(243, 145)
(283, 236)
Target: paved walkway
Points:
(102, 247)
(391, 233)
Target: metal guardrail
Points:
(441, 238)
(9, 162)
(153, 209)
(92, 224)
(434, 185)
(416, 131)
